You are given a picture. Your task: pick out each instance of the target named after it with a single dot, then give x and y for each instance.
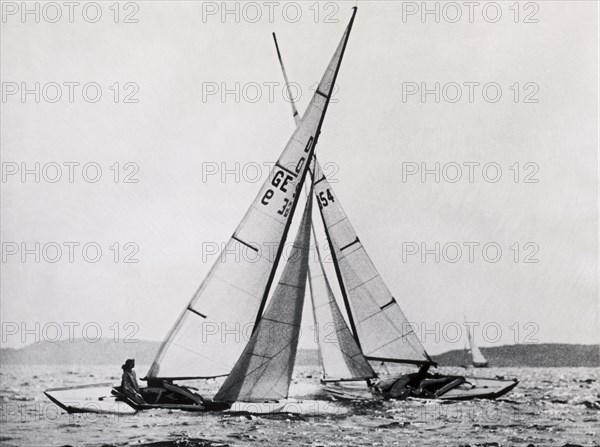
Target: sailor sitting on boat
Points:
(129, 384)
(419, 384)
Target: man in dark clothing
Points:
(129, 385)
(403, 386)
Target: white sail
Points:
(212, 331)
(264, 370)
(383, 331)
(476, 355)
(339, 354)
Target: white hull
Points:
(480, 388)
(95, 398)
(473, 388)
(300, 407)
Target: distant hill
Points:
(81, 352)
(533, 355)
(106, 351)
(103, 352)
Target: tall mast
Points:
(315, 138)
(287, 84)
(296, 117)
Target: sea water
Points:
(550, 406)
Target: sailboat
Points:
(234, 295)
(475, 355)
(379, 331)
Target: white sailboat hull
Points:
(95, 398)
(473, 388)
(299, 407)
(480, 388)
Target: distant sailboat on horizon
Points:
(475, 355)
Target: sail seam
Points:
(236, 287)
(339, 221)
(262, 365)
(274, 219)
(395, 339)
(324, 304)
(280, 322)
(286, 170)
(200, 355)
(351, 252)
(362, 284)
(261, 356)
(291, 285)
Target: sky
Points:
(185, 126)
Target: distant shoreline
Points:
(107, 352)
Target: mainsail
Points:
(476, 355)
(383, 332)
(211, 333)
(264, 370)
(339, 354)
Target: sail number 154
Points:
(325, 197)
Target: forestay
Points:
(382, 330)
(264, 370)
(212, 331)
(339, 355)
